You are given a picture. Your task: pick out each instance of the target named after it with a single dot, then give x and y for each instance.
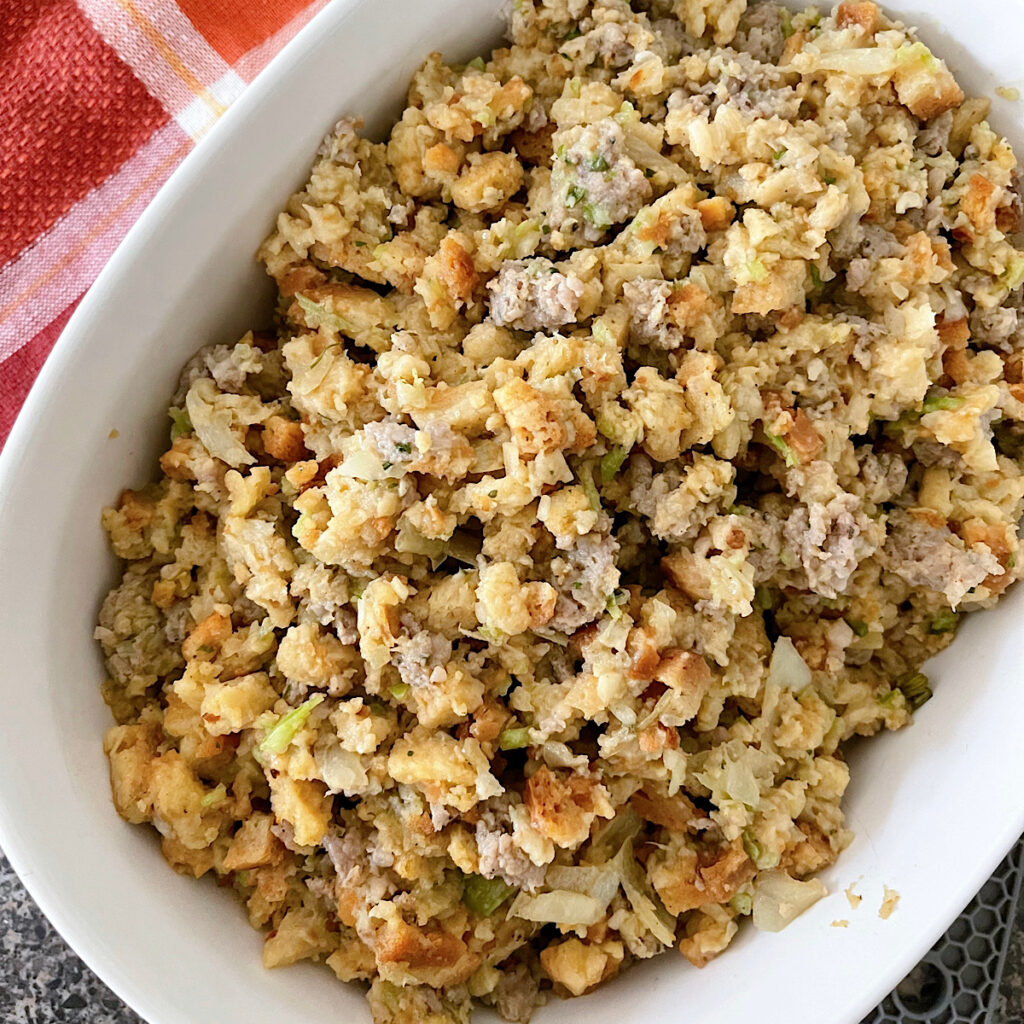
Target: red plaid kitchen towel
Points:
(99, 102)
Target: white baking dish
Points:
(934, 807)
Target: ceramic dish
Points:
(934, 807)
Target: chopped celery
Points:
(180, 422)
(892, 698)
(941, 403)
(611, 421)
(590, 488)
(752, 847)
(216, 796)
(477, 64)
(573, 195)
(318, 315)
(612, 463)
(603, 335)
(915, 52)
(742, 903)
(482, 896)
(514, 739)
(400, 691)
(597, 215)
(815, 278)
(779, 154)
(277, 739)
(1013, 276)
(765, 599)
(944, 622)
(612, 604)
(756, 271)
(596, 162)
(626, 114)
(906, 420)
(783, 448)
(859, 627)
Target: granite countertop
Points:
(43, 982)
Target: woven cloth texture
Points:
(99, 101)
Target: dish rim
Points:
(174, 190)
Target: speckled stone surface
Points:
(43, 982)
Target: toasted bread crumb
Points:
(892, 898)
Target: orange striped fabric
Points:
(99, 102)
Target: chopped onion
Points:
(214, 415)
(787, 668)
(410, 541)
(874, 60)
(739, 782)
(362, 465)
(464, 547)
(780, 899)
(733, 771)
(341, 769)
(600, 883)
(608, 839)
(562, 907)
(645, 155)
(559, 755)
(649, 909)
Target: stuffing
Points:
(640, 415)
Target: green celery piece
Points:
(783, 448)
(180, 422)
(612, 463)
(318, 315)
(216, 796)
(944, 622)
(280, 735)
(482, 896)
(514, 739)
(590, 488)
(941, 403)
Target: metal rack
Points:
(958, 981)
